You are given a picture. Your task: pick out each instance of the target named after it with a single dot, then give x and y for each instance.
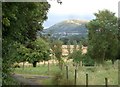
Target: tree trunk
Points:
(53, 62)
(80, 63)
(23, 65)
(112, 61)
(60, 65)
(44, 63)
(34, 63)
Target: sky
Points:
(77, 9)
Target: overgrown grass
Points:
(39, 70)
(10, 81)
(96, 75)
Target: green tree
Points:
(40, 52)
(87, 60)
(75, 45)
(103, 36)
(20, 22)
(76, 55)
(84, 41)
(56, 46)
(118, 53)
(21, 54)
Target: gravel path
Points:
(31, 80)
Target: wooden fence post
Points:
(67, 72)
(86, 80)
(106, 82)
(44, 62)
(75, 76)
(23, 65)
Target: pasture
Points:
(96, 74)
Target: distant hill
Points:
(67, 29)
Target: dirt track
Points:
(29, 79)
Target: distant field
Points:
(96, 75)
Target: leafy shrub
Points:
(60, 79)
(87, 61)
(57, 77)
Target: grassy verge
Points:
(39, 70)
(96, 75)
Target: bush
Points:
(60, 79)
(57, 77)
(87, 61)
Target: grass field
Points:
(96, 75)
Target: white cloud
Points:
(78, 9)
(82, 7)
